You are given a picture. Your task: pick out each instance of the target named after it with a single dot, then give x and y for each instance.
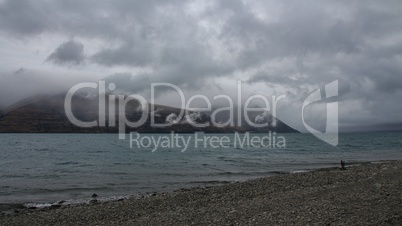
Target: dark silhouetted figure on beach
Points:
(343, 165)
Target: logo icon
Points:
(331, 132)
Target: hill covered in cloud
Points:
(46, 114)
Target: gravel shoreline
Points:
(366, 194)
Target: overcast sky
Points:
(204, 47)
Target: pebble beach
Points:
(365, 194)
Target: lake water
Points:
(40, 168)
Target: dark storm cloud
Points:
(127, 54)
(294, 44)
(70, 52)
(24, 17)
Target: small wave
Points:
(379, 162)
(210, 182)
(353, 145)
(299, 171)
(117, 173)
(67, 190)
(243, 173)
(37, 205)
(43, 149)
(68, 163)
(123, 164)
(226, 159)
(69, 202)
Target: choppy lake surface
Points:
(40, 168)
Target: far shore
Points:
(365, 194)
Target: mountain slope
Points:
(45, 114)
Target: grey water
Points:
(41, 168)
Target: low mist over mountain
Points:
(46, 114)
